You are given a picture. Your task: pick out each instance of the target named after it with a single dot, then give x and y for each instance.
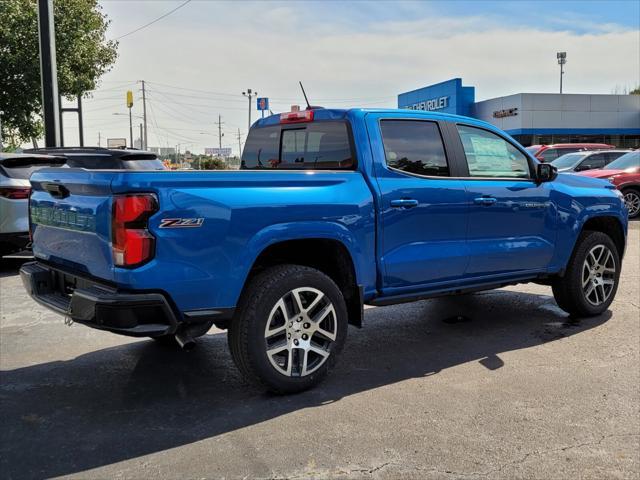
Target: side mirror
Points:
(545, 172)
(583, 167)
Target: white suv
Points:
(15, 170)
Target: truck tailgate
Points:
(70, 212)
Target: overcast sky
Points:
(198, 60)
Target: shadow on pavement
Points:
(120, 403)
(10, 266)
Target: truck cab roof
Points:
(323, 114)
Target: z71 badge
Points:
(181, 222)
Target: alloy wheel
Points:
(598, 275)
(300, 332)
(632, 200)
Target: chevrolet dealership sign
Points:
(431, 105)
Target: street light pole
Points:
(249, 94)
(49, 74)
(562, 59)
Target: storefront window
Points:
(619, 141)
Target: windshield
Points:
(533, 149)
(568, 160)
(628, 160)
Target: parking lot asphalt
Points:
(513, 389)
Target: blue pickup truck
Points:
(331, 210)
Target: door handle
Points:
(485, 201)
(404, 203)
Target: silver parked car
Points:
(586, 160)
(15, 170)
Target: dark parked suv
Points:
(96, 158)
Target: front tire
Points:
(591, 280)
(289, 330)
(632, 201)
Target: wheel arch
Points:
(610, 226)
(333, 252)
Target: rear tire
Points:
(289, 329)
(592, 276)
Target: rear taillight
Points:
(132, 243)
(15, 193)
(297, 117)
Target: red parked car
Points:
(624, 173)
(548, 153)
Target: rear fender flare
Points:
(282, 232)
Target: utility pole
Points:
(562, 59)
(130, 130)
(239, 145)
(130, 106)
(220, 134)
(144, 115)
(49, 73)
(141, 146)
(98, 139)
(249, 94)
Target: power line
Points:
(237, 99)
(153, 21)
(282, 99)
(201, 104)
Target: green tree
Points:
(83, 56)
(213, 164)
(635, 91)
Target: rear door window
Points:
(313, 146)
(611, 156)
(592, 162)
(414, 147)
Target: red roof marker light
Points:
(297, 117)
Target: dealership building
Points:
(539, 118)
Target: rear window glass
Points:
(145, 164)
(22, 168)
(551, 154)
(313, 146)
(91, 162)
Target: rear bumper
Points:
(97, 305)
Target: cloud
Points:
(355, 54)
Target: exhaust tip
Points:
(185, 341)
